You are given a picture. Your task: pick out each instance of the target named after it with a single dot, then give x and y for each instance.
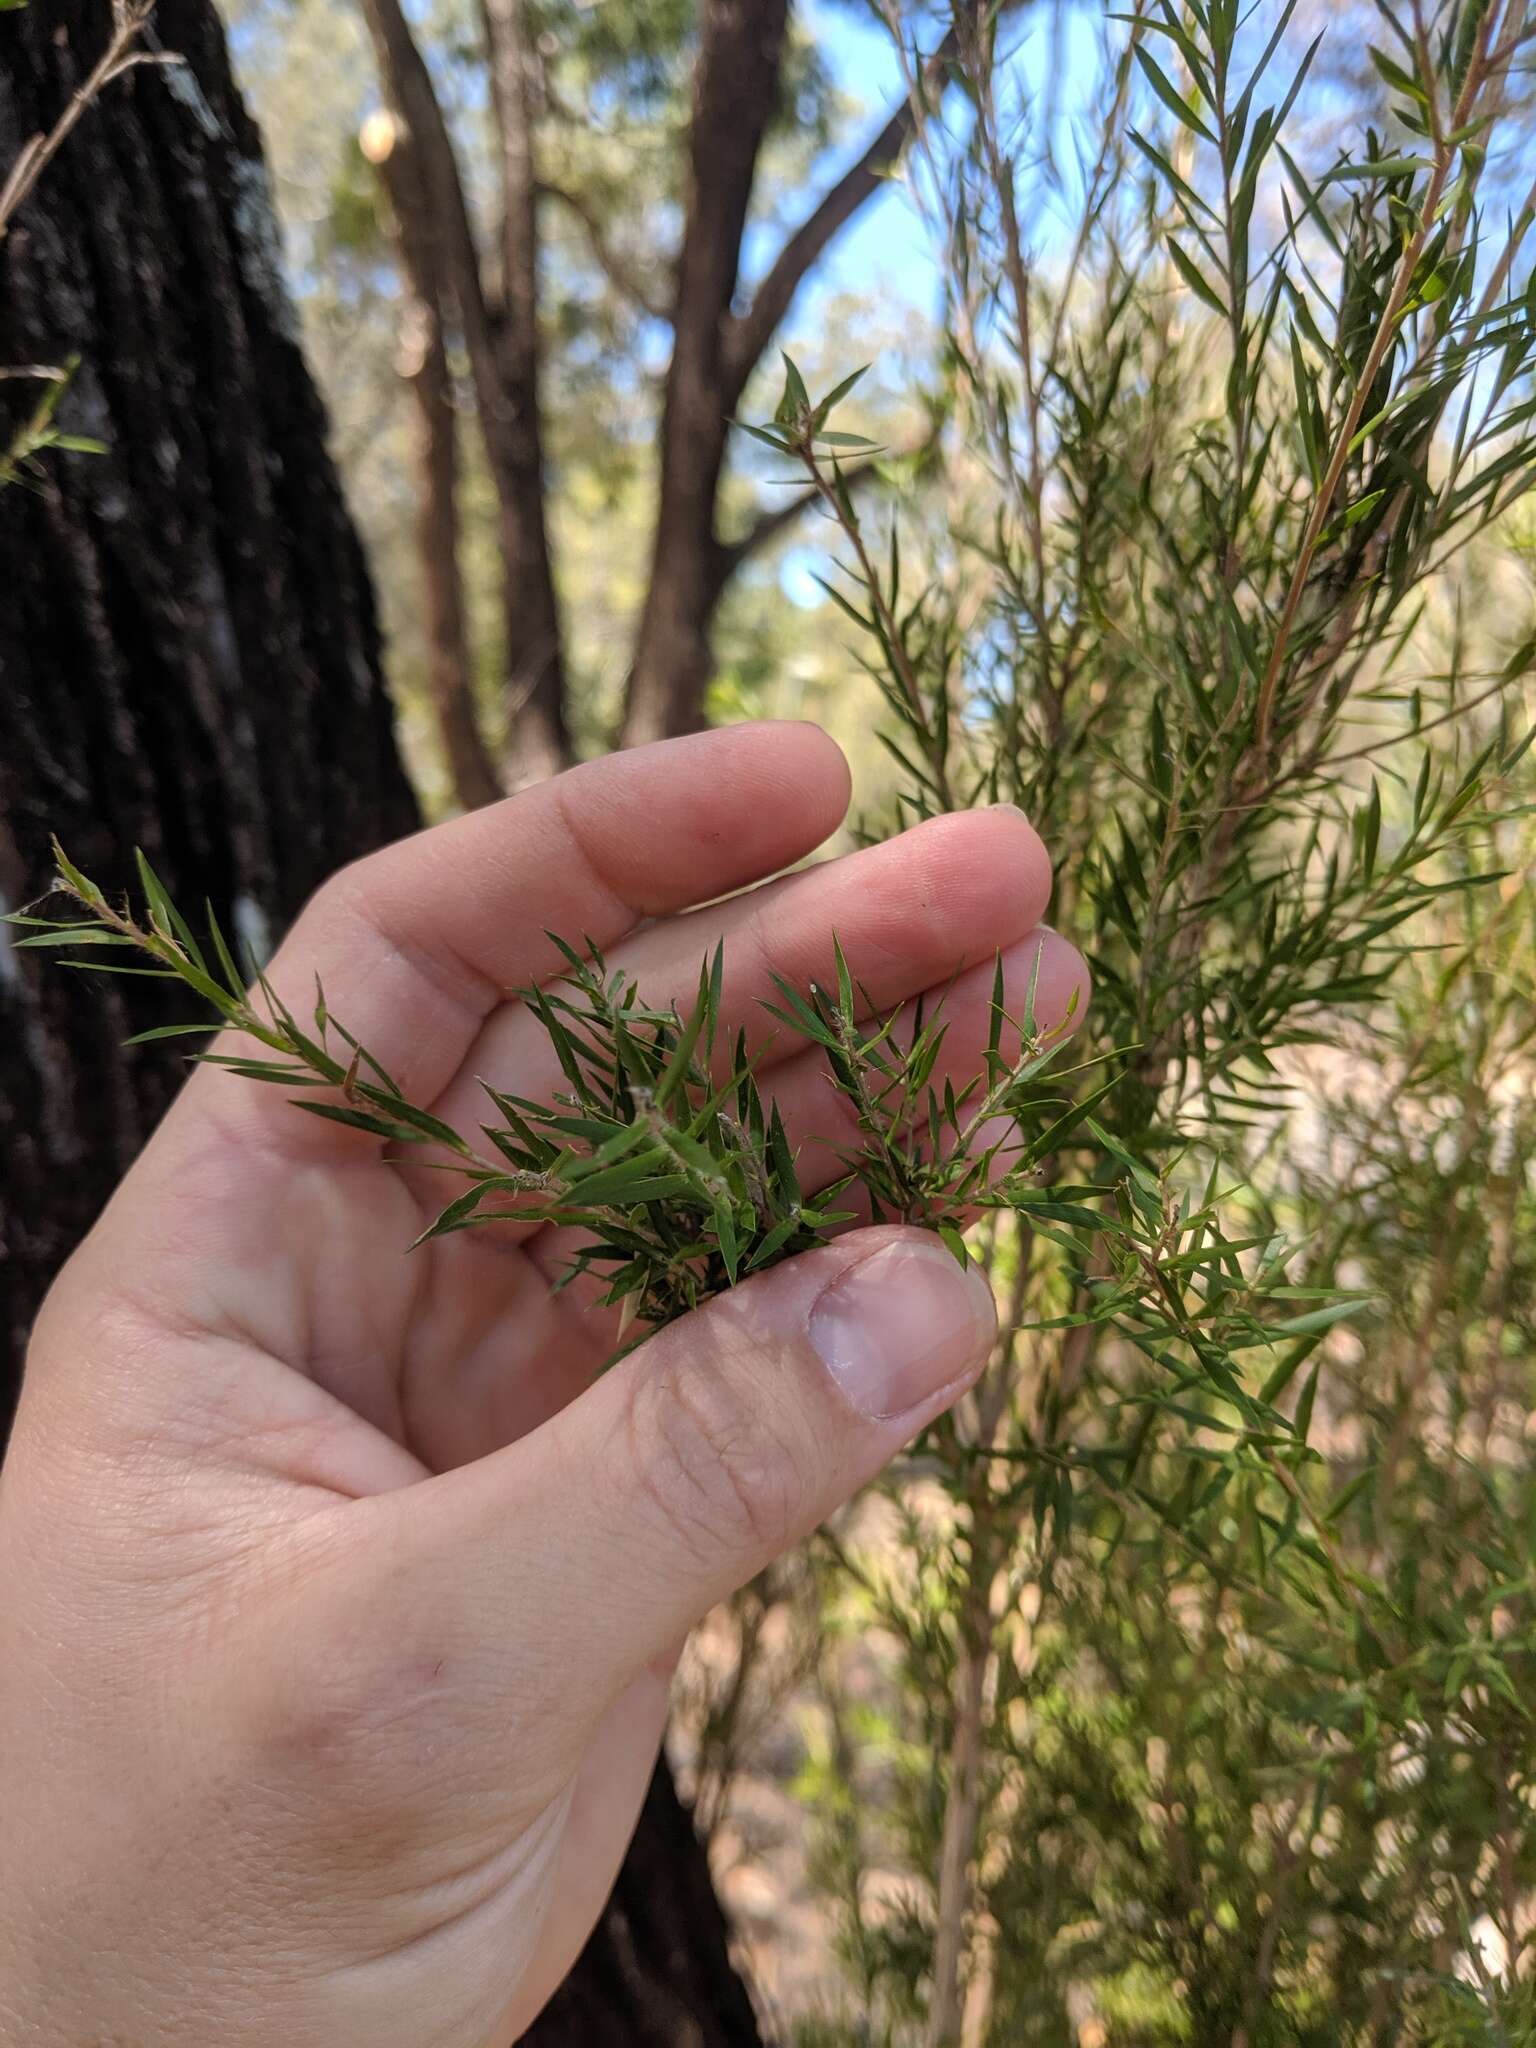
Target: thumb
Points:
(712, 1448)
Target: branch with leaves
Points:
(37, 434)
(1302, 926)
(662, 1148)
(662, 1152)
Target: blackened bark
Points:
(188, 654)
(189, 662)
(663, 1912)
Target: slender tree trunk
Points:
(736, 81)
(955, 1891)
(718, 345)
(424, 365)
(423, 362)
(674, 658)
(189, 662)
(535, 657)
(962, 1811)
(502, 345)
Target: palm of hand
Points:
(280, 1402)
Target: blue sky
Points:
(886, 243)
(885, 253)
(886, 247)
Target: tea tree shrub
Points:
(1206, 1725)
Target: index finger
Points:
(416, 945)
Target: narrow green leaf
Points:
(1170, 96)
(1197, 284)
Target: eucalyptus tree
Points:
(479, 204)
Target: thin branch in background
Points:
(1216, 879)
(777, 519)
(37, 433)
(747, 336)
(130, 18)
(799, 430)
(621, 274)
(1483, 68)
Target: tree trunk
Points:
(656, 1973)
(189, 659)
(189, 662)
(674, 658)
(423, 363)
(450, 675)
(500, 339)
(736, 81)
(717, 346)
(535, 652)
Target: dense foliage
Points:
(1232, 1714)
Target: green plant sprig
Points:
(660, 1149)
(677, 1179)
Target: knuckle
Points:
(364, 894)
(346, 888)
(709, 1457)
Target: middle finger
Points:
(909, 914)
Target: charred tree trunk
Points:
(189, 662)
(188, 654)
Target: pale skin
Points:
(338, 1596)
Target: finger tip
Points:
(905, 1326)
(991, 866)
(772, 790)
(803, 762)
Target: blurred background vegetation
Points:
(609, 103)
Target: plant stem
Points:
(962, 1805)
(900, 660)
(1445, 152)
(130, 18)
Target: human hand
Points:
(338, 1596)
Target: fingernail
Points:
(1018, 810)
(902, 1325)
